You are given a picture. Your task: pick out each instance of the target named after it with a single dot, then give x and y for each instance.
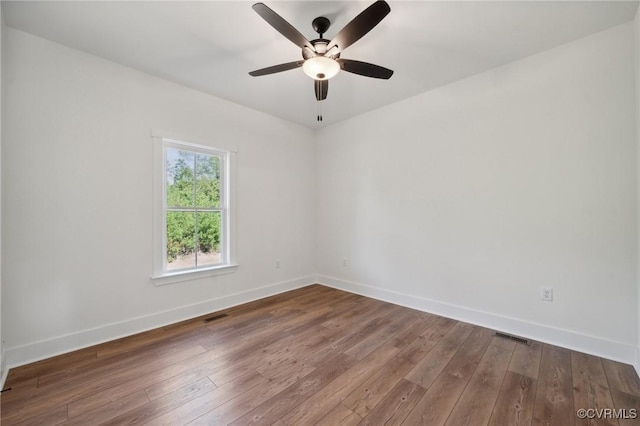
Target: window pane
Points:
(209, 238)
(181, 231)
(207, 180)
(180, 178)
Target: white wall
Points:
(2, 358)
(636, 24)
(77, 176)
(466, 200)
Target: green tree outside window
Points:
(193, 218)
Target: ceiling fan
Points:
(321, 57)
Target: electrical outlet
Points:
(277, 264)
(547, 294)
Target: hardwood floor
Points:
(320, 356)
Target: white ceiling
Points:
(211, 46)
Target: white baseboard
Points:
(593, 345)
(21, 355)
(4, 371)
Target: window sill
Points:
(175, 277)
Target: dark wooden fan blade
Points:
(276, 68)
(282, 26)
(360, 25)
(366, 69)
(321, 87)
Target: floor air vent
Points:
(514, 338)
(215, 317)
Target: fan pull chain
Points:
(319, 117)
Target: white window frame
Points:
(160, 274)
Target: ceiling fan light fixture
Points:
(321, 68)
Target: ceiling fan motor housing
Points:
(320, 47)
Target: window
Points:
(192, 217)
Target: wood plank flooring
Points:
(320, 356)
